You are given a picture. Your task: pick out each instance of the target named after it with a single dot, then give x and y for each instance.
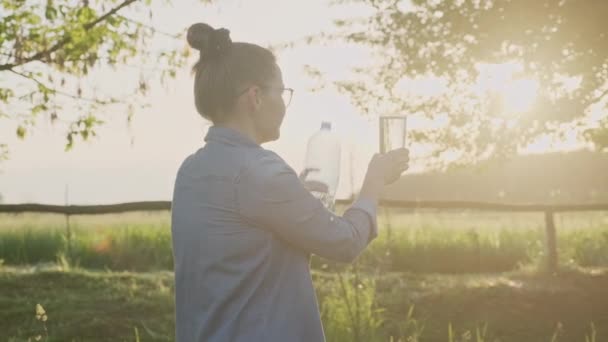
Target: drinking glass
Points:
(392, 132)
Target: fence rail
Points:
(85, 209)
(547, 209)
(166, 205)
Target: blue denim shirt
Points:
(243, 228)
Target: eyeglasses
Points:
(286, 93)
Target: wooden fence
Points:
(548, 209)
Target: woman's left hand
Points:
(312, 185)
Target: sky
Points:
(139, 161)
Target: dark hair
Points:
(224, 68)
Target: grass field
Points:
(421, 241)
(124, 306)
(430, 276)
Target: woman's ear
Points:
(254, 97)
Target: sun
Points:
(516, 91)
(519, 95)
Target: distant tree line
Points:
(574, 177)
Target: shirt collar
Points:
(228, 136)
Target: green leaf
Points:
(5, 94)
(21, 132)
(70, 139)
(50, 12)
(37, 109)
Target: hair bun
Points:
(210, 42)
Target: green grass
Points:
(134, 241)
(521, 307)
(87, 306)
(419, 241)
(429, 275)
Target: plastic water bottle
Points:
(322, 165)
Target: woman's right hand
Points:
(385, 169)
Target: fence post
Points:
(68, 235)
(67, 222)
(388, 223)
(551, 242)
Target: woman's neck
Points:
(243, 128)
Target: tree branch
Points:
(599, 97)
(114, 60)
(152, 28)
(58, 92)
(7, 56)
(66, 40)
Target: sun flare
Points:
(516, 91)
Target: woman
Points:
(243, 224)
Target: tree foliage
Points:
(48, 49)
(561, 44)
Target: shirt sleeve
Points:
(271, 196)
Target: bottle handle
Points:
(312, 185)
(305, 173)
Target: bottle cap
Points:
(326, 125)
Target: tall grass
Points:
(446, 250)
(419, 241)
(135, 241)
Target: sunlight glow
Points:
(516, 92)
(519, 95)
